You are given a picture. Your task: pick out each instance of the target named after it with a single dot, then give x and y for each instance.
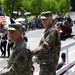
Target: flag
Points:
(9, 20)
(12, 20)
(2, 18)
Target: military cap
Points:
(15, 27)
(45, 15)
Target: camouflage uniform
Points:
(48, 51)
(19, 62)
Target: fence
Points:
(68, 65)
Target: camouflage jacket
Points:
(19, 62)
(49, 48)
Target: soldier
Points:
(19, 62)
(49, 47)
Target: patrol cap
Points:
(14, 27)
(45, 15)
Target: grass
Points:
(29, 18)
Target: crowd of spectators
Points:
(5, 43)
(33, 24)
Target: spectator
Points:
(62, 62)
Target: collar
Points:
(18, 44)
(49, 28)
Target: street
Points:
(33, 40)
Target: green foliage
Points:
(11, 5)
(26, 5)
(49, 5)
(35, 6)
(64, 6)
(30, 18)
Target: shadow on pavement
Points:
(3, 57)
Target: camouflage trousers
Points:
(45, 70)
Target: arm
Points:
(48, 41)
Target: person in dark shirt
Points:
(62, 62)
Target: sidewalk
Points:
(3, 62)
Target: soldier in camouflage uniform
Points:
(49, 47)
(19, 62)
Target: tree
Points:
(49, 5)
(11, 5)
(63, 6)
(26, 5)
(36, 6)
